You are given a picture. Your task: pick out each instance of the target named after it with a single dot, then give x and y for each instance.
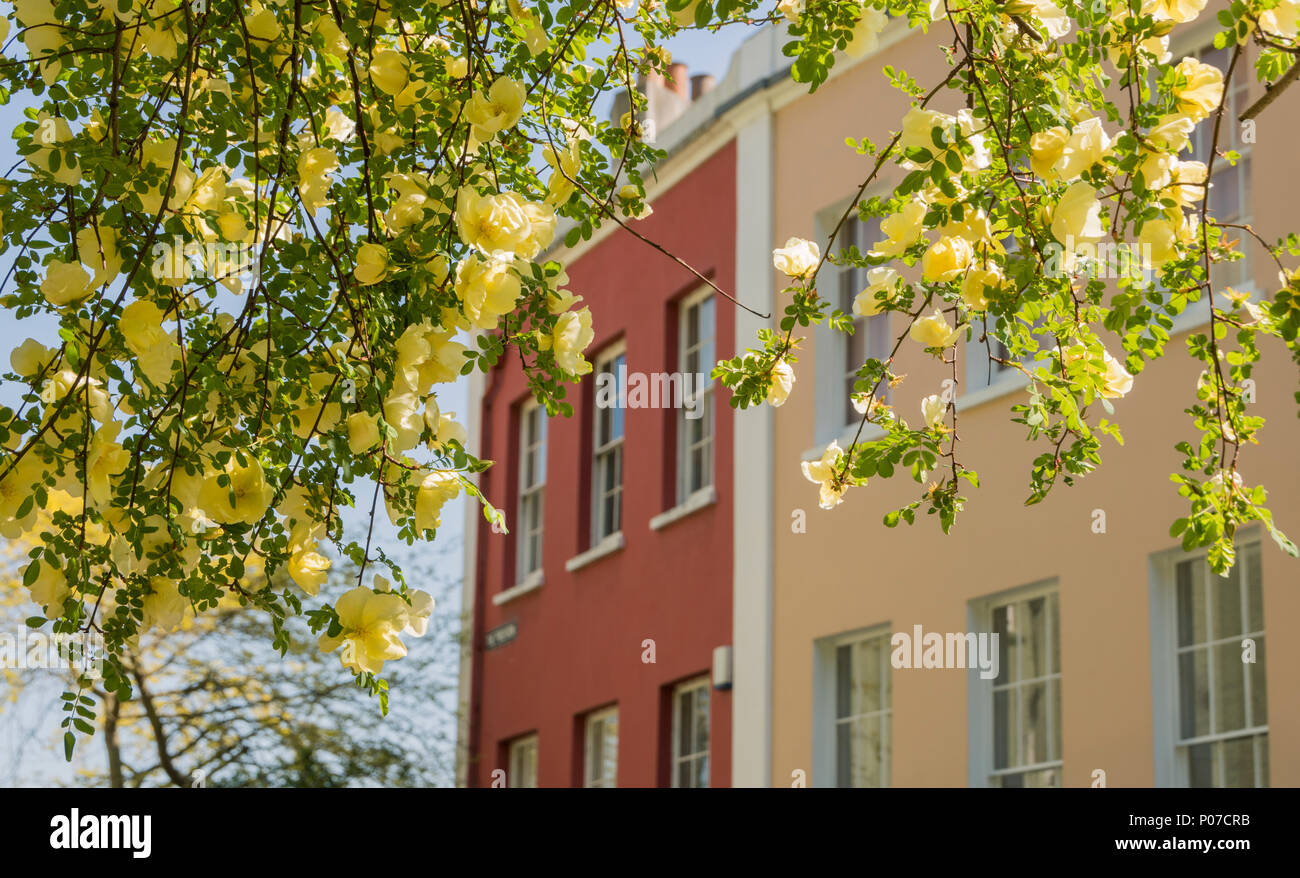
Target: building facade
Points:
(1121, 660)
(601, 624)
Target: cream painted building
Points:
(1118, 652)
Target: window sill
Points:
(1003, 385)
(608, 546)
(532, 582)
(844, 438)
(701, 499)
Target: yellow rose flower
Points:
(497, 109)
(155, 350)
(65, 283)
(1177, 10)
(933, 409)
(946, 258)
(1199, 89)
(1118, 381)
(488, 289)
(372, 264)
(782, 383)
(1077, 217)
(933, 331)
(918, 127)
(534, 35)
(492, 223)
(31, 358)
(363, 432)
(243, 500)
(97, 248)
(402, 413)
(797, 259)
(261, 25)
(104, 458)
(868, 303)
(371, 624)
(310, 570)
(1046, 149)
(1160, 236)
(50, 589)
(436, 489)
(1172, 131)
(164, 607)
(51, 131)
(570, 338)
(902, 229)
(1087, 144)
(974, 284)
(388, 71)
(822, 472)
(865, 36)
(1282, 20)
(1187, 180)
(314, 169)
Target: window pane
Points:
(1003, 723)
(684, 714)
(1258, 686)
(1034, 657)
(1261, 744)
(1191, 603)
(1033, 723)
(541, 450)
(1229, 688)
(701, 766)
(866, 751)
(844, 681)
(1054, 688)
(1054, 614)
(702, 720)
(867, 677)
(706, 336)
(1249, 561)
(1194, 693)
(1002, 617)
(1227, 604)
(1200, 766)
(1238, 757)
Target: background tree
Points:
(217, 706)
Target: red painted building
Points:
(596, 619)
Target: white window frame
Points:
(825, 723)
(875, 329)
(679, 758)
(589, 756)
(702, 401)
(832, 405)
(520, 748)
(1172, 750)
(526, 567)
(612, 449)
(983, 772)
(1234, 104)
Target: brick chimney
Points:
(667, 96)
